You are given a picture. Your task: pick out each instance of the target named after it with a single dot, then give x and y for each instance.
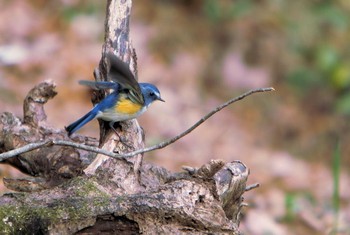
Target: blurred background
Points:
(201, 53)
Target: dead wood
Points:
(74, 191)
(49, 165)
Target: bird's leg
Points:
(122, 140)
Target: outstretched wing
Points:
(119, 72)
(99, 85)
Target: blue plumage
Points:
(81, 122)
(128, 100)
(107, 108)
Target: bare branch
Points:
(24, 149)
(47, 143)
(87, 148)
(161, 145)
(203, 119)
(252, 186)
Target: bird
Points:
(128, 99)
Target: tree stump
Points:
(74, 191)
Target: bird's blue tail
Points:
(81, 122)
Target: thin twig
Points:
(252, 186)
(23, 149)
(87, 148)
(203, 119)
(33, 146)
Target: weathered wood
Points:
(114, 196)
(50, 165)
(190, 203)
(122, 174)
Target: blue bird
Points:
(128, 100)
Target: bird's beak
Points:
(160, 99)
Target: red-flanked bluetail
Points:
(129, 99)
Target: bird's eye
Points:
(152, 94)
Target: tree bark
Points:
(76, 192)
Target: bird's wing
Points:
(99, 85)
(119, 72)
